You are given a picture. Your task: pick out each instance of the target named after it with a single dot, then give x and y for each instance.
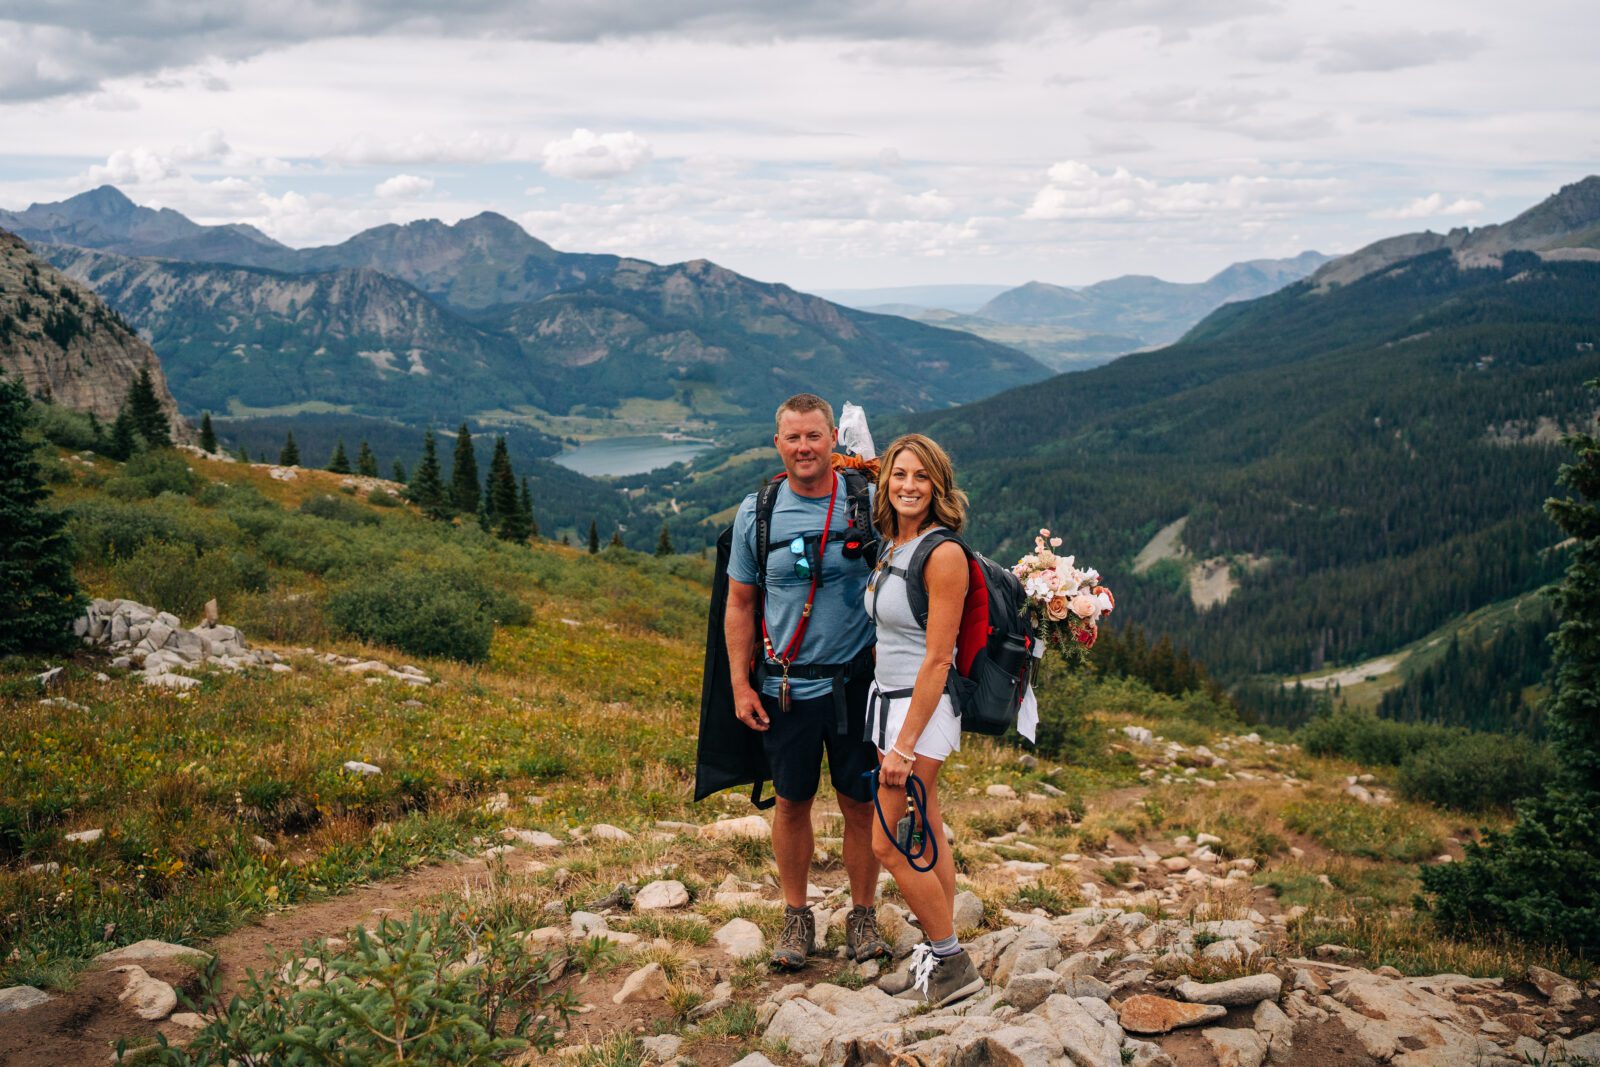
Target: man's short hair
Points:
(803, 403)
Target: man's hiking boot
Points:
(861, 937)
(794, 944)
(943, 980)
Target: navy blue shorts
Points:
(796, 740)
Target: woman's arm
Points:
(946, 578)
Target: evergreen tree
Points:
(399, 472)
(525, 509)
(208, 436)
(122, 443)
(1540, 880)
(99, 432)
(289, 454)
(616, 539)
(339, 463)
(426, 488)
(504, 509)
(464, 474)
(243, 455)
(664, 542)
(366, 462)
(485, 522)
(144, 408)
(38, 594)
(594, 538)
(566, 538)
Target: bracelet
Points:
(902, 755)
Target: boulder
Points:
(150, 998)
(968, 912)
(357, 767)
(661, 896)
(1086, 1039)
(747, 826)
(85, 837)
(1027, 991)
(1004, 792)
(145, 951)
(1273, 1025)
(663, 1049)
(533, 838)
(1235, 992)
(1236, 1048)
(1545, 981)
(1147, 1014)
(647, 983)
(740, 938)
(1146, 1054)
(21, 998)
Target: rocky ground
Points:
(1149, 950)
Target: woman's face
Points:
(910, 489)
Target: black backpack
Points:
(994, 646)
(730, 753)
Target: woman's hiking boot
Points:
(943, 980)
(795, 942)
(862, 938)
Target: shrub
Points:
(1476, 772)
(108, 530)
(175, 577)
(382, 498)
(1365, 738)
(339, 510)
(64, 426)
(153, 473)
(427, 613)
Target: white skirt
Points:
(940, 737)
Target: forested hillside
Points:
(1367, 461)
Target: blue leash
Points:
(911, 839)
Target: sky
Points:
(823, 143)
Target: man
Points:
(823, 657)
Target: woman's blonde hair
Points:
(949, 507)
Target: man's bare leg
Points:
(793, 843)
(860, 863)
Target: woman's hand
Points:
(895, 769)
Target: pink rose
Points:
(1082, 606)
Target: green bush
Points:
(63, 426)
(1476, 772)
(381, 498)
(173, 576)
(1365, 738)
(108, 530)
(152, 473)
(434, 990)
(427, 613)
(339, 510)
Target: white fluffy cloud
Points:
(1076, 190)
(1434, 205)
(133, 166)
(587, 155)
(404, 187)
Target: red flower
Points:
(1086, 636)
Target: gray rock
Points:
(357, 767)
(661, 896)
(1236, 1048)
(1083, 985)
(705, 1011)
(145, 951)
(1027, 991)
(150, 998)
(647, 983)
(740, 938)
(661, 1049)
(1085, 1040)
(21, 998)
(968, 910)
(755, 1059)
(1146, 1054)
(1273, 1025)
(1235, 992)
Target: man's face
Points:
(804, 441)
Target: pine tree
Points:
(664, 542)
(144, 408)
(464, 474)
(594, 538)
(339, 463)
(289, 454)
(485, 522)
(366, 462)
(208, 436)
(616, 539)
(426, 488)
(243, 455)
(566, 538)
(525, 508)
(504, 509)
(122, 443)
(399, 474)
(38, 594)
(1540, 880)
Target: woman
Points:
(910, 717)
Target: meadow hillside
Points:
(487, 784)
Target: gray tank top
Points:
(902, 643)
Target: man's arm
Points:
(739, 632)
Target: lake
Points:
(629, 455)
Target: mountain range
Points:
(431, 321)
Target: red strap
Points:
(793, 648)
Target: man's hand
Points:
(747, 707)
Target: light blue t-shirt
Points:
(840, 627)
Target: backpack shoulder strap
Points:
(766, 500)
(916, 587)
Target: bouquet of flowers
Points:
(1065, 602)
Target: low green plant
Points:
(424, 613)
(149, 474)
(1374, 831)
(1477, 772)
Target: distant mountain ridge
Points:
(408, 322)
(1563, 226)
(106, 218)
(1141, 306)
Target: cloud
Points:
(404, 187)
(587, 155)
(1396, 50)
(1077, 191)
(1431, 206)
(474, 147)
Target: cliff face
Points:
(64, 343)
